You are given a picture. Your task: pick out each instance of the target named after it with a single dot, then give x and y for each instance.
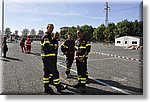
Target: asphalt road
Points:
(109, 74)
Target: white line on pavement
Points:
(100, 82)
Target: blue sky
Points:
(20, 14)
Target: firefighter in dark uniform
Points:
(83, 47)
(55, 40)
(68, 48)
(48, 53)
(4, 47)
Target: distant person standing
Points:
(68, 48)
(22, 45)
(4, 47)
(28, 45)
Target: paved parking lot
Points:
(108, 74)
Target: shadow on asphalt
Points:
(90, 91)
(132, 90)
(15, 59)
(7, 59)
(36, 54)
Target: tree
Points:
(88, 31)
(33, 32)
(98, 33)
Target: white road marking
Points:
(100, 82)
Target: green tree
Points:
(98, 33)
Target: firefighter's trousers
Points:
(51, 74)
(69, 61)
(82, 71)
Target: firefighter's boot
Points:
(47, 88)
(60, 87)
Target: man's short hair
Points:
(69, 33)
(50, 25)
(80, 30)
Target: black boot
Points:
(47, 88)
(60, 87)
(77, 85)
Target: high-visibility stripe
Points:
(64, 46)
(83, 79)
(45, 81)
(56, 81)
(83, 82)
(45, 78)
(81, 47)
(87, 73)
(47, 55)
(45, 42)
(50, 76)
(88, 44)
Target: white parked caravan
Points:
(130, 42)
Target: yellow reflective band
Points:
(79, 78)
(56, 80)
(82, 47)
(50, 74)
(46, 42)
(56, 83)
(83, 82)
(83, 79)
(47, 55)
(45, 81)
(64, 46)
(88, 44)
(45, 78)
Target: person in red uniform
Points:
(28, 45)
(22, 45)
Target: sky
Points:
(20, 14)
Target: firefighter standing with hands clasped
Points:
(83, 47)
(48, 53)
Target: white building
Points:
(129, 41)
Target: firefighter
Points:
(28, 45)
(51, 74)
(55, 40)
(68, 48)
(83, 47)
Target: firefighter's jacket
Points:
(47, 46)
(68, 48)
(82, 47)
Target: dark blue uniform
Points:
(82, 49)
(68, 48)
(49, 57)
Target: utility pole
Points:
(2, 23)
(107, 9)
